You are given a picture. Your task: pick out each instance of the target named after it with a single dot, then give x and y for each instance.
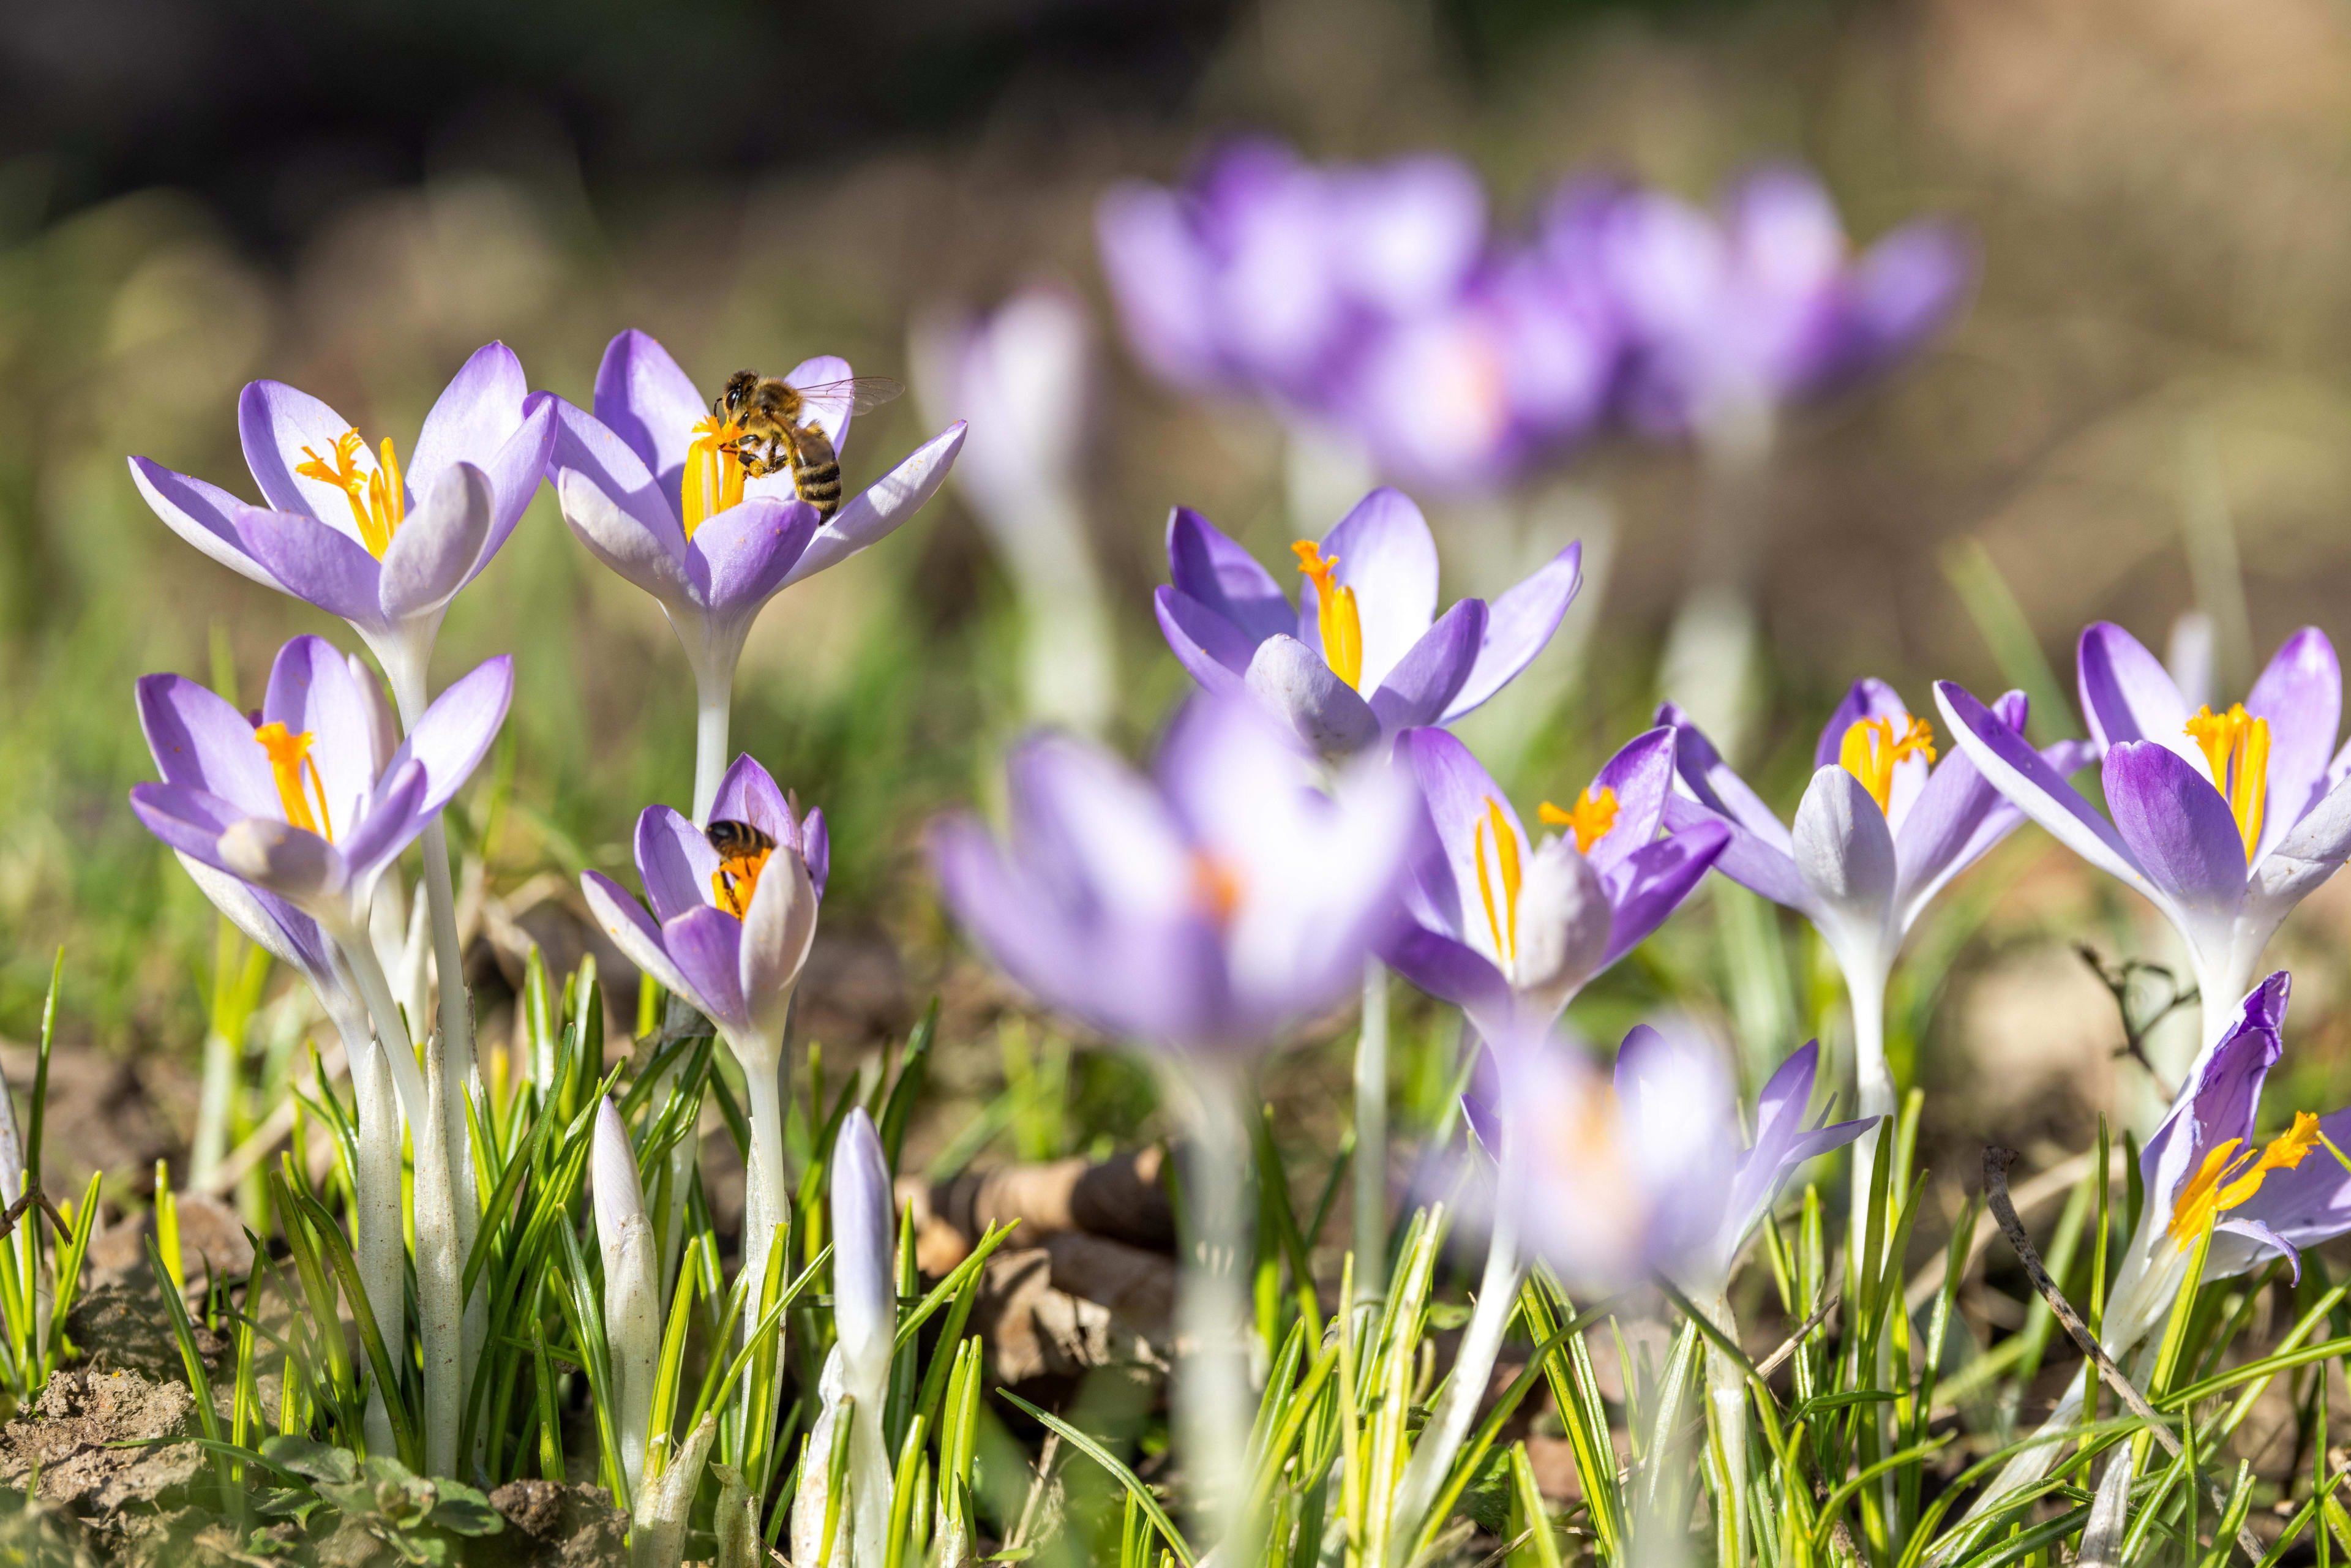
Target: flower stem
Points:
(1725, 1387)
(764, 1191)
(375, 1222)
(1372, 1137)
(1465, 1386)
(714, 705)
(1211, 1393)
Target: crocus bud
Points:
(1563, 924)
(864, 1318)
(631, 1299)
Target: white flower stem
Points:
(1865, 986)
(764, 1194)
(375, 1222)
(456, 1057)
(1465, 1387)
(712, 708)
(1211, 1394)
(1372, 1137)
(1726, 1389)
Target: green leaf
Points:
(312, 1460)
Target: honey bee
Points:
(743, 851)
(780, 428)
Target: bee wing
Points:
(836, 401)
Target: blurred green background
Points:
(2149, 407)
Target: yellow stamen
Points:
(290, 763)
(736, 878)
(1502, 919)
(1591, 819)
(2237, 747)
(1217, 884)
(714, 475)
(1870, 751)
(1342, 627)
(379, 501)
(2228, 1178)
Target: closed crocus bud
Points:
(1563, 924)
(632, 1297)
(864, 1318)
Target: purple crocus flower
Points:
(1509, 931)
(1759, 304)
(647, 484)
(295, 803)
(1365, 655)
(384, 545)
(2224, 822)
(1881, 830)
(730, 932)
(1206, 909)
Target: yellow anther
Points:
(736, 878)
(1501, 917)
(2231, 1173)
(714, 475)
(1871, 749)
(2236, 745)
(378, 500)
(291, 764)
(1591, 819)
(1335, 612)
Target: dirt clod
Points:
(552, 1525)
(80, 1414)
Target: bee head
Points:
(738, 395)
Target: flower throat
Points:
(378, 498)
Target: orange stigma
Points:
(1217, 888)
(2229, 1177)
(1590, 819)
(714, 476)
(378, 500)
(2237, 747)
(1871, 749)
(293, 766)
(1502, 872)
(1342, 627)
(736, 878)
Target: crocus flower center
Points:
(299, 788)
(2237, 747)
(714, 475)
(1216, 887)
(1498, 874)
(1871, 749)
(1591, 818)
(378, 500)
(736, 878)
(2231, 1173)
(1342, 627)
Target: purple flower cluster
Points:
(1379, 301)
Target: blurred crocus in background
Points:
(1024, 375)
(2223, 821)
(1200, 914)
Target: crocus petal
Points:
(875, 511)
(301, 865)
(276, 423)
(2127, 695)
(200, 742)
(477, 413)
(1450, 971)
(433, 554)
(1386, 554)
(675, 861)
(1211, 649)
(1844, 851)
(203, 515)
(1955, 818)
(517, 469)
(776, 931)
(2302, 1207)
(707, 946)
(2301, 695)
(830, 416)
(1651, 882)
(623, 539)
(1458, 796)
(2241, 1241)
(1868, 698)
(1564, 935)
(1518, 625)
(1224, 579)
(1421, 686)
(864, 1211)
(312, 561)
(312, 689)
(1313, 701)
(455, 731)
(2177, 827)
(2217, 1094)
(395, 814)
(644, 399)
(816, 849)
(636, 936)
(741, 556)
(2039, 791)
(747, 794)
(1746, 859)
(2305, 857)
(272, 924)
(1714, 785)
(1641, 775)
(189, 819)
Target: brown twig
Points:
(1996, 1162)
(1770, 1364)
